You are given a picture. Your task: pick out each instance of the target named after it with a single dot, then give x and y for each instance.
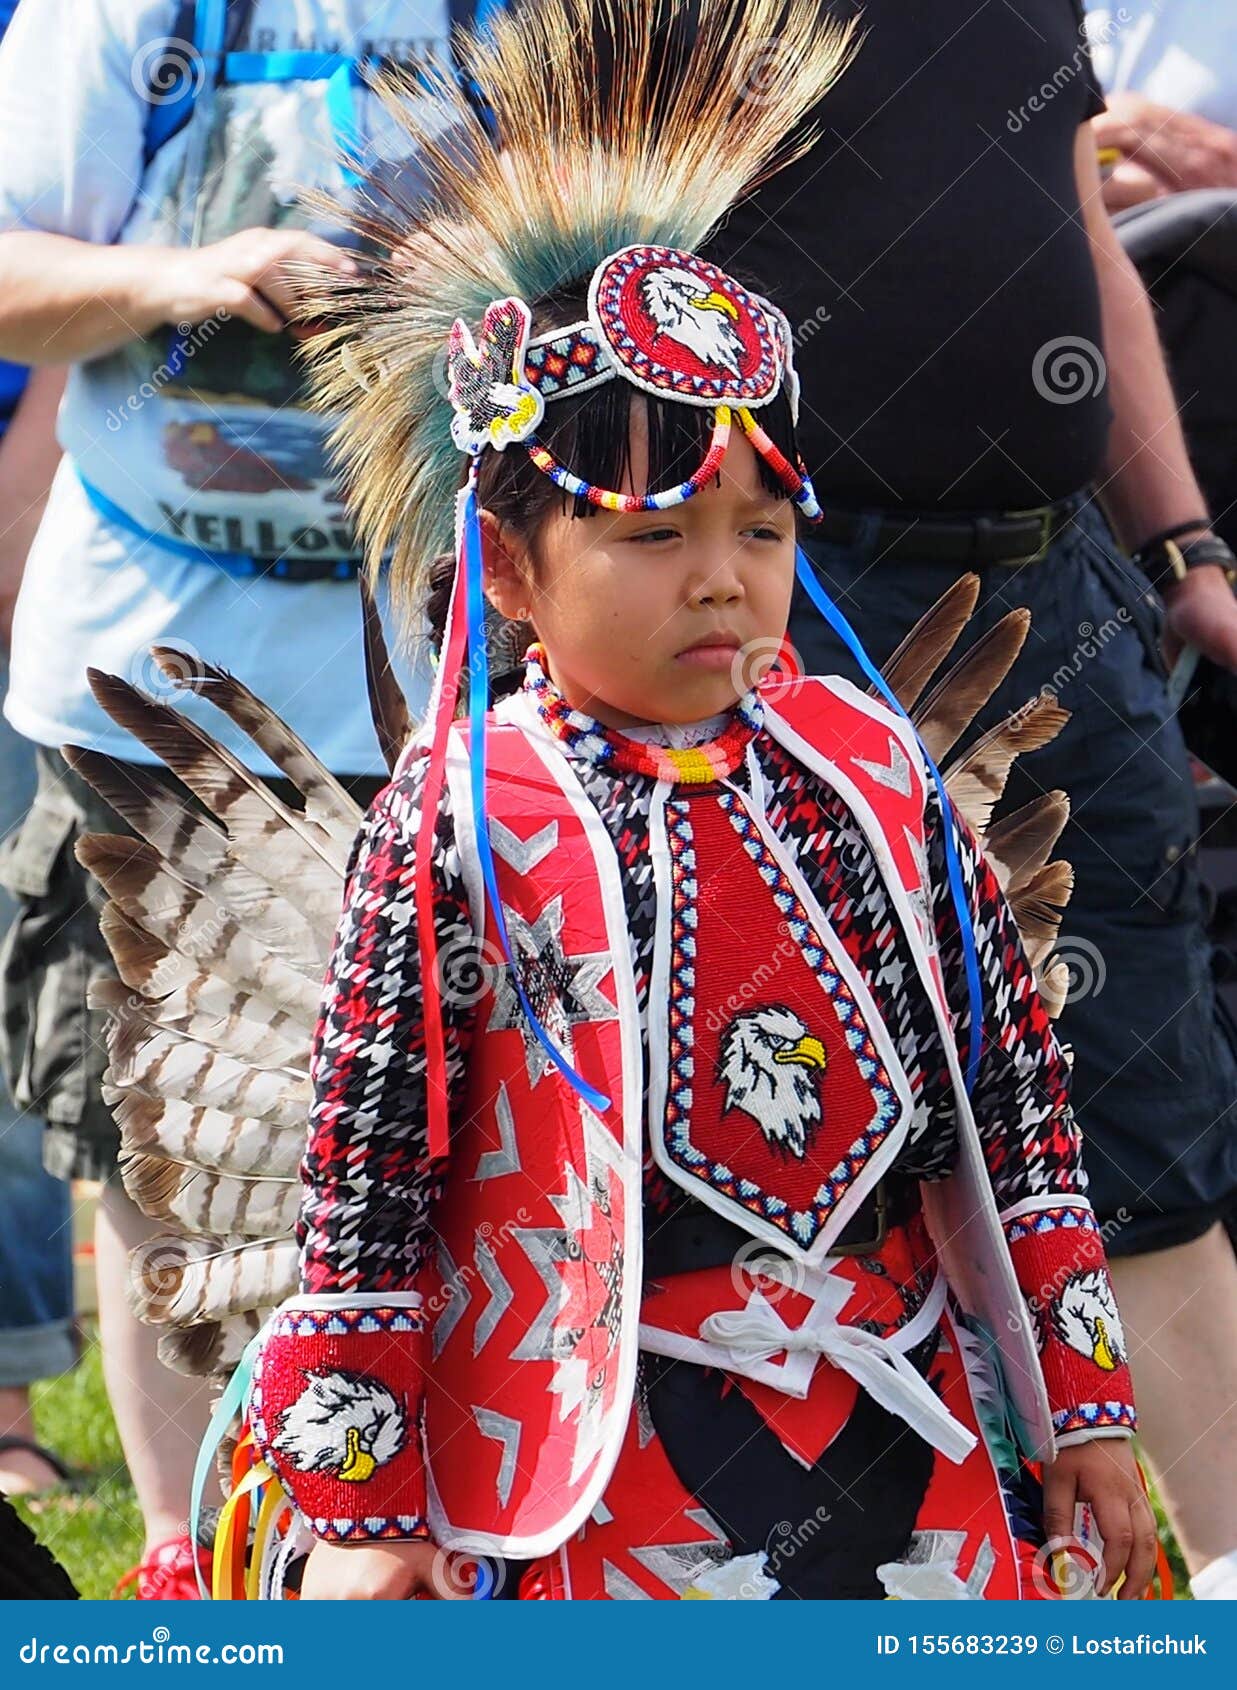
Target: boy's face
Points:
(664, 616)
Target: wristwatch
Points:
(1166, 561)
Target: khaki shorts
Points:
(52, 1044)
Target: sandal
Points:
(64, 1475)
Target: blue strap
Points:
(341, 75)
(341, 108)
(239, 564)
(172, 109)
(235, 1397)
(210, 31)
(833, 616)
(478, 704)
(283, 67)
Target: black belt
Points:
(1009, 537)
(694, 1237)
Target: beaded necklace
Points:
(688, 765)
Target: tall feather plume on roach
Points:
(567, 168)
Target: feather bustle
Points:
(952, 705)
(930, 641)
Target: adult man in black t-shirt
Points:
(972, 343)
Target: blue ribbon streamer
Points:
(970, 955)
(478, 704)
(235, 1396)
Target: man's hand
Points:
(378, 1572)
(247, 275)
(1202, 612)
(1163, 151)
(1102, 1472)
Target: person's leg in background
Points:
(57, 1055)
(161, 1415)
(1155, 1074)
(37, 1335)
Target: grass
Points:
(96, 1534)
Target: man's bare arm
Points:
(28, 458)
(63, 301)
(1149, 484)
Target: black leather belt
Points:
(693, 1237)
(1009, 537)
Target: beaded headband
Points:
(667, 321)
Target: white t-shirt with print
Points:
(220, 452)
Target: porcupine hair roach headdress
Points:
(605, 125)
(592, 141)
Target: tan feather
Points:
(213, 1347)
(203, 1202)
(1019, 844)
(952, 705)
(930, 642)
(143, 962)
(191, 1015)
(196, 852)
(387, 704)
(188, 921)
(161, 1064)
(976, 780)
(278, 844)
(154, 806)
(183, 987)
(1054, 985)
(1038, 905)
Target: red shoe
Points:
(166, 1574)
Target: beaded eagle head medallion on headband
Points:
(667, 321)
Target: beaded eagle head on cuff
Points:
(335, 1410)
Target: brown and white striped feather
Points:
(162, 1064)
(207, 1138)
(196, 850)
(327, 804)
(245, 1037)
(199, 1201)
(298, 860)
(180, 1281)
(191, 924)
